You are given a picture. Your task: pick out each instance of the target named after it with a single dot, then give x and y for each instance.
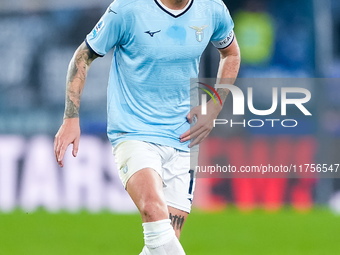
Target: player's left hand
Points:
(203, 126)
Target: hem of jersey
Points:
(91, 48)
(224, 46)
(165, 142)
(175, 16)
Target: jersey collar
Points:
(174, 13)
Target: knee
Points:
(153, 210)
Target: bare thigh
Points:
(145, 187)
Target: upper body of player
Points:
(156, 52)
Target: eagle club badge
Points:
(199, 32)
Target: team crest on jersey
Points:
(199, 32)
(98, 27)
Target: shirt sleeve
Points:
(108, 32)
(223, 34)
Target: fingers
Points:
(75, 147)
(198, 132)
(192, 113)
(189, 118)
(69, 132)
(60, 147)
(192, 132)
(62, 151)
(59, 150)
(199, 138)
(55, 147)
(185, 137)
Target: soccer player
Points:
(157, 47)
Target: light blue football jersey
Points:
(155, 55)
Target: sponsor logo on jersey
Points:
(98, 27)
(199, 32)
(152, 33)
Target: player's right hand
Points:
(68, 133)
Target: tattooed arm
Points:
(69, 132)
(228, 68)
(227, 73)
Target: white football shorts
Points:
(175, 167)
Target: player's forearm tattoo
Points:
(177, 221)
(223, 93)
(75, 80)
(71, 110)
